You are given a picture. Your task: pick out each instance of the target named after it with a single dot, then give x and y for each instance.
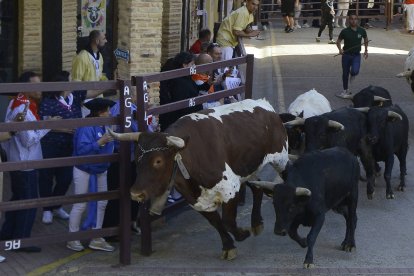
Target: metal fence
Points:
(123, 157)
(310, 10)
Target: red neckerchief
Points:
(203, 78)
(22, 99)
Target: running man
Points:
(351, 57)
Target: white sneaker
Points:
(2, 259)
(297, 26)
(318, 39)
(47, 217)
(331, 41)
(101, 244)
(337, 26)
(60, 213)
(75, 245)
(306, 25)
(345, 94)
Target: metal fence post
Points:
(144, 217)
(124, 172)
(249, 76)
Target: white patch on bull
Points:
(226, 189)
(242, 106)
(311, 103)
(277, 159)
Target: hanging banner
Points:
(93, 16)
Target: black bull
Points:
(220, 148)
(344, 127)
(314, 184)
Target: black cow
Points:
(388, 133)
(316, 183)
(345, 127)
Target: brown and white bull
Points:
(207, 156)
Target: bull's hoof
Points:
(257, 230)
(308, 265)
(241, 234)
(370, 196)
(390, 196)
(229, 255)
(348, 247)
(401, 188)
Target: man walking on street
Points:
(351, 57)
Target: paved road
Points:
(286, 65)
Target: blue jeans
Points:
(18, 224)
(63, 175)
(350, 64)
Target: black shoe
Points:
(287, 28)
(30, 249)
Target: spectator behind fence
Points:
(327, 18)
(204, 35)
(178, 89)
(409, 7)
(264, 15)
(288, 13)
(23, 146)
(56, 181)
(88, 64)
(204, 81)
(91, 140)
(237, 24)
(343, 7)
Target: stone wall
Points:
(139, 32)
(30, 36)
(68, 33)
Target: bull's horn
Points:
(380, 99)
(293, 157)
(303, 192)
(296, 122)
(264, 184)
(335, 124)
(362, 109)
(393, 114)
(133, 136)
(175, 141)
(404, 74)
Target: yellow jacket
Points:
(86, 68)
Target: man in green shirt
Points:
(351, 57)
(236, 25)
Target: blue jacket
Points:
(85, 142)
